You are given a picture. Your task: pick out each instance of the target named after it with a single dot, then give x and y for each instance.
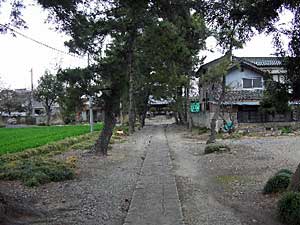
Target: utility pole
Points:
(31, 97)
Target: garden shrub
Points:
(286, 130)
(288, 210)
(211, 148)
(152, 109)
(36, 171)
(285, 171)
(202, 130)
(278, 183)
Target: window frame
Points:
(252, 83)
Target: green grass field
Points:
(18, 139)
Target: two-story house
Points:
(245, 82)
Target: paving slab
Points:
(155, 200)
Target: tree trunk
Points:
(179, 107)
(212, 137)
(176, 118)
(142, 120)
(185, 105)
(48, 112)
(295, 183)
(102, 143)
(142, 116)
(130, 62)
(213, 124)
(188, 111)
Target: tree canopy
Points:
(47, 92)
(148, 47)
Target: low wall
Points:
(56, 119)
(261, 127)
(203, 119)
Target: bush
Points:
(36, 171)
(202, 130)
(289, 208)
(152, 109)
(278, 183)
(210, 148)
(286, 130)
(285, 171)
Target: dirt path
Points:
(227, 188)
(198, 203)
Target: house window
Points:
(252, 83)
(257, 83)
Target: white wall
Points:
(235, 77)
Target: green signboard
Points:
(195, 107)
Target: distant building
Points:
(246, 82)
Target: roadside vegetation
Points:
(37, 166)
(19, 139)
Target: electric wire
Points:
(40, 43)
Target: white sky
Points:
(18, 55)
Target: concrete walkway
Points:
(155, 200)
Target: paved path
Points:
(155, 200)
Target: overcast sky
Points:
(18, 55)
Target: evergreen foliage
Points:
(288, 210)
(47, 92)
(278, 183)
(275, 98)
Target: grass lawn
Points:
(18, 139)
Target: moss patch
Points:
(230, 179)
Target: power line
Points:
(40, 43)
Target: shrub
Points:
(286, 130)
(36, 171)
(202, 130)
(278, 183)
(285, 171)
(152, 109)
(289, 208)
(210, 148)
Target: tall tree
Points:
(231, 27)
(10, 101)
(120, 21)
(264, 15)
(112, 76)
(47, 92)
(77, 83)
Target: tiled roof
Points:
(243, 95)
(263, 61)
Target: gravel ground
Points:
(100, 194)
(227, 188)
(215, 189)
